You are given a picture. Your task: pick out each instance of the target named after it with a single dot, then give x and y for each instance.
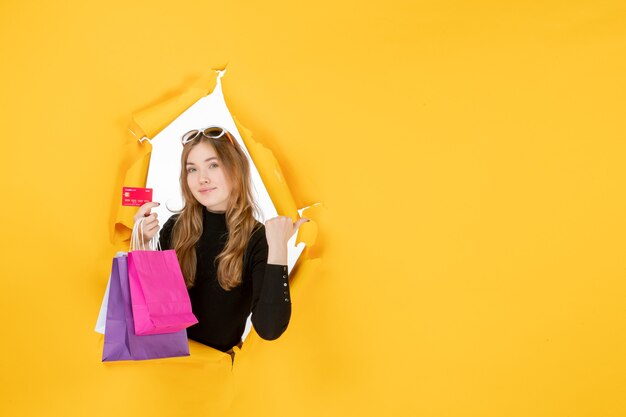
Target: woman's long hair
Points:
(240, 219)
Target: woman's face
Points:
(207, 178)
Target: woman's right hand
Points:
(150, 225)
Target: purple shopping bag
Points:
(120, 341)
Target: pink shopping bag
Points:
(160, 300)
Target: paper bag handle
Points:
(139, 244)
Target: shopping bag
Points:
(160, 300)
(102, 315)
(120, 341)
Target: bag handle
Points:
(139, 244)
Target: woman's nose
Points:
(204, 177)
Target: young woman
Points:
(232, 263)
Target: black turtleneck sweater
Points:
(222, 314)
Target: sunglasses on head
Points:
(213, 132)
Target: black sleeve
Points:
(271, 299)
(165, 234)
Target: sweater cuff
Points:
(276, 285)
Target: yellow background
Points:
(470, 157)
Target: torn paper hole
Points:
(164, 170)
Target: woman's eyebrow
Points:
(206, 160)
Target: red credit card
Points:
(134, 196)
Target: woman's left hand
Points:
(279, 230)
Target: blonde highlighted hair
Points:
(240, 214)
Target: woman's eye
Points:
(213, 165)
(190, 170)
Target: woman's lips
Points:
(206, 190)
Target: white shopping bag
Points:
(102, 315)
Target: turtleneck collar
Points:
(213, 220)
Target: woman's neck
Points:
(215, 212)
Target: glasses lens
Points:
(189, 136)
(213, 132)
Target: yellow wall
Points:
(470, 156)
